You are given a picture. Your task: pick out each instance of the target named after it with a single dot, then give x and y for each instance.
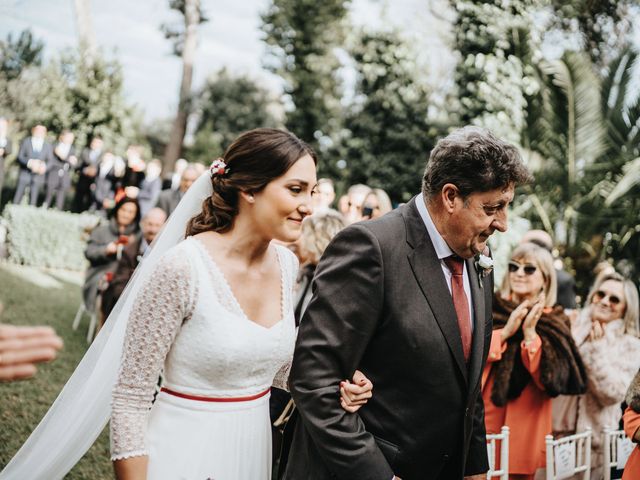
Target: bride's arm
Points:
(158, 312)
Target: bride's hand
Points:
(355, 394)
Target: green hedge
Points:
(47, 238)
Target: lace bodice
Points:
(187, 322)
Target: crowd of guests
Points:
(554, 367)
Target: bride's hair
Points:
(253, 160)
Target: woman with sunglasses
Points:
(531, 359)
(606, 333)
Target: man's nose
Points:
(500, 221)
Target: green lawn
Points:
(33, 297)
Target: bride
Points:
(212, 313)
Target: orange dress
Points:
(528, 416)
(631, 424)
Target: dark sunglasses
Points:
(527, 267)
(600, 295)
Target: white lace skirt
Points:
(195, 440)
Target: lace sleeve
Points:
(162, 305)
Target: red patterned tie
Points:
(460, 302)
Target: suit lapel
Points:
(478, 300)
(428, 273)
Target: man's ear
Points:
(448, 194)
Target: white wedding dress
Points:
(187, 325)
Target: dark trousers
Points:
(83, 198)
(58, 184)
(31, 180)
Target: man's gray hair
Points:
(474, 160)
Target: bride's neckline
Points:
(229, 291)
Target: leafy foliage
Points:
(227, 106)
(302, 36)
(16, 55)
(386, 138)
(175, 31)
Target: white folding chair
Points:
(617, 448)
(498, 456)
(569, 456)
(92, 321)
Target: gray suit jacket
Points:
(381, 304)
(168, 200)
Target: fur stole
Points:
(561, 369)
(633, 394)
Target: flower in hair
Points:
(218, 167)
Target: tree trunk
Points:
(85, 30)
(191, 21)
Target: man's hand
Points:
(22, 347)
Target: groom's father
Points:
(403, 299)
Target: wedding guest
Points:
(532, 358)
(132, 253)
(173, 182)
(134, 172)
(325, 194)
(151, 186)
(87, 170)
(566, 290)
(355, 199)
(22, 347)
(606, 333)
(168, 199)
(376, 204)
(107, 182)
(631, 419)
(34, 157)
(106, 244)
(5, 148)
(63, 165)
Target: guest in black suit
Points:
(169, 199)
(34, 157)
(402, 299)
(151, 186)
(60, 171)
(107, 182)
(5, 148)
(87, 169)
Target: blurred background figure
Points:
(34, 157)
(532, 358)
(631, 420)
(173, 181)
(566, 293)
(106, 244)
(110, 172)
(376, 204)
(355, 199)
(151, 186)
(606, 333)
(168, 199)
(317, 231)
(21, 348)
(87, 171)
(325, 195)
(5, 148)
(150, 225)
(134, 173)
(63, 164)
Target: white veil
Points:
(83, 408)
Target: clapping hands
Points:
(526, 315)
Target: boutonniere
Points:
(484, 265)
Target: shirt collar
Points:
(439, 244)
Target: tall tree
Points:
(86, 35)
(16, 55)
(302, 36)
(226, 106)
(185, 44)
(387, 136)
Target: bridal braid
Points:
(253, 160)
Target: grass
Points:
(34, 297)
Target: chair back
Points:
(569, 456)
(498, 453)
(617, 448)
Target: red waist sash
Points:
(215, 399)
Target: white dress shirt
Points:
(443, 251)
